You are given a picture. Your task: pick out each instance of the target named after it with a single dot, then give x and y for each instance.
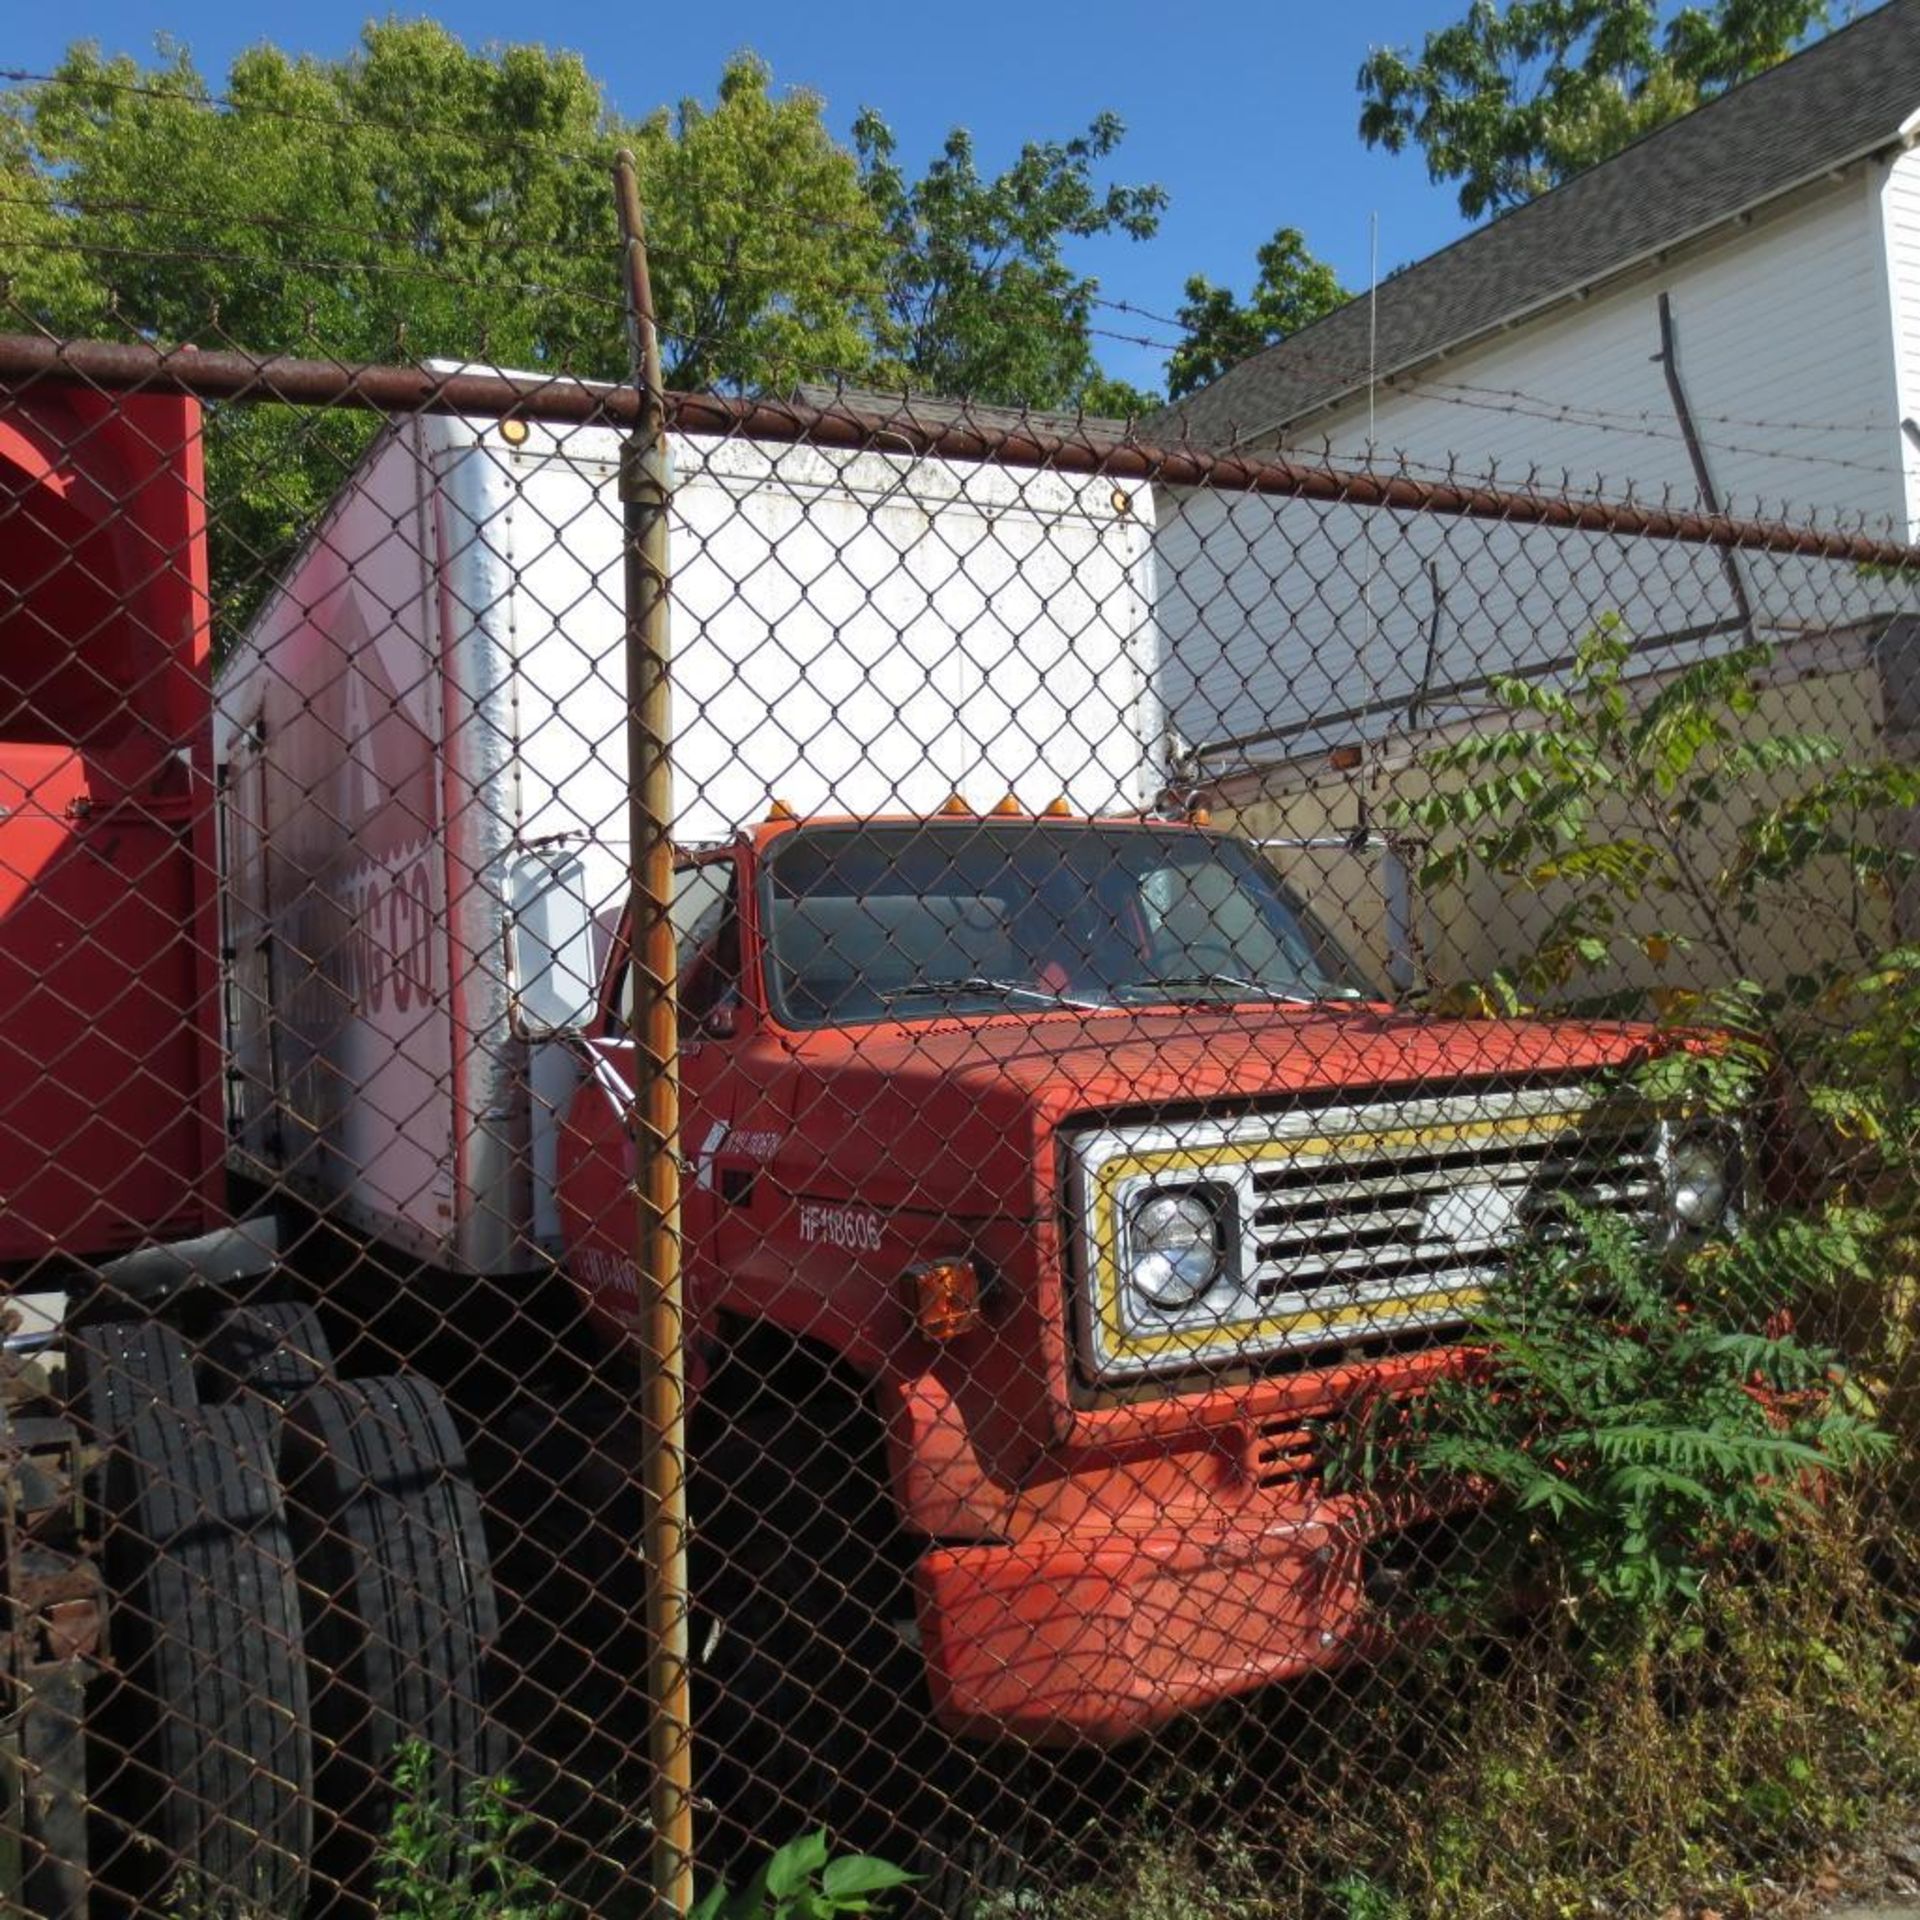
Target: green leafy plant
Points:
(1610, 810)
(1635, 1414)
(1359, 1896)
(1700, 861)
(438, 1864)
(805, 1880)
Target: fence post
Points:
(646, 485)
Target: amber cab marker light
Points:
(944, 1298)
(956, 807)
(1005, 809)
(781, 810)
(1058, 809)
(1199, 817)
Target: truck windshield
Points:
(921, 920)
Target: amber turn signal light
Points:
(944, 1298)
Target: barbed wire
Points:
(1514, 400)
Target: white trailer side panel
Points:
(331, 720)
(439, 688)
(852, 633)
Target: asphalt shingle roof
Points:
(1846, 96)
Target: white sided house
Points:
(1726, 315)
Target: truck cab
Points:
(1077, 1151)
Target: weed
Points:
(436, 1864)
(1636, 1416)
(1552, 1774)
(804, 1880)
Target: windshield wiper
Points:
(1239, 984)
(985, 983)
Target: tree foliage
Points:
(1291, 290)
(422, 198)
(1663, 833)
(1517, 97)
(981, 299)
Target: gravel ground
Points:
(1882, 1882)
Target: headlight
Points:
(1173, 1249)
(1699, 1182)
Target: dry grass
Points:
(1712, 1769)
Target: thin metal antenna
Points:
(1373, 348)
(1373, 317)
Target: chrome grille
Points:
(1373, 1225)
(1346, 1224)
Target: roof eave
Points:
(1907, 136)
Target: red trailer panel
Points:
(110, 1090)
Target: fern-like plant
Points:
(1635, 1413)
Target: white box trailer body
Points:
(425, 729)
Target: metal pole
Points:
(646, 485)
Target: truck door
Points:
(597, 1152)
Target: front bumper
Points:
(1076, 1636)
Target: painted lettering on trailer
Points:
(854, 1229)
(390, 950)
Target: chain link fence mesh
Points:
(1294, 1138)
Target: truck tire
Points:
(203, 1742)
(811, 1706)
(274, 1347)
(398, 1600)
(120, 1369)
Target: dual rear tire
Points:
(299, 1585)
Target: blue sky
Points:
(1245, 112)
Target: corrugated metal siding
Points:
(1287, 616)
(1900, 203)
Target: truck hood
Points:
(961, 1113)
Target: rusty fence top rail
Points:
(910, 426)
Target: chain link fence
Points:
(1286, 1199)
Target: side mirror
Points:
(550, 946)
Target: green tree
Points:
(1291, 290)
(40, 276)
(1105, 397)
(981, 300)
(771, 263)
(419, 195)
(1516, 98)
(420, 198)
